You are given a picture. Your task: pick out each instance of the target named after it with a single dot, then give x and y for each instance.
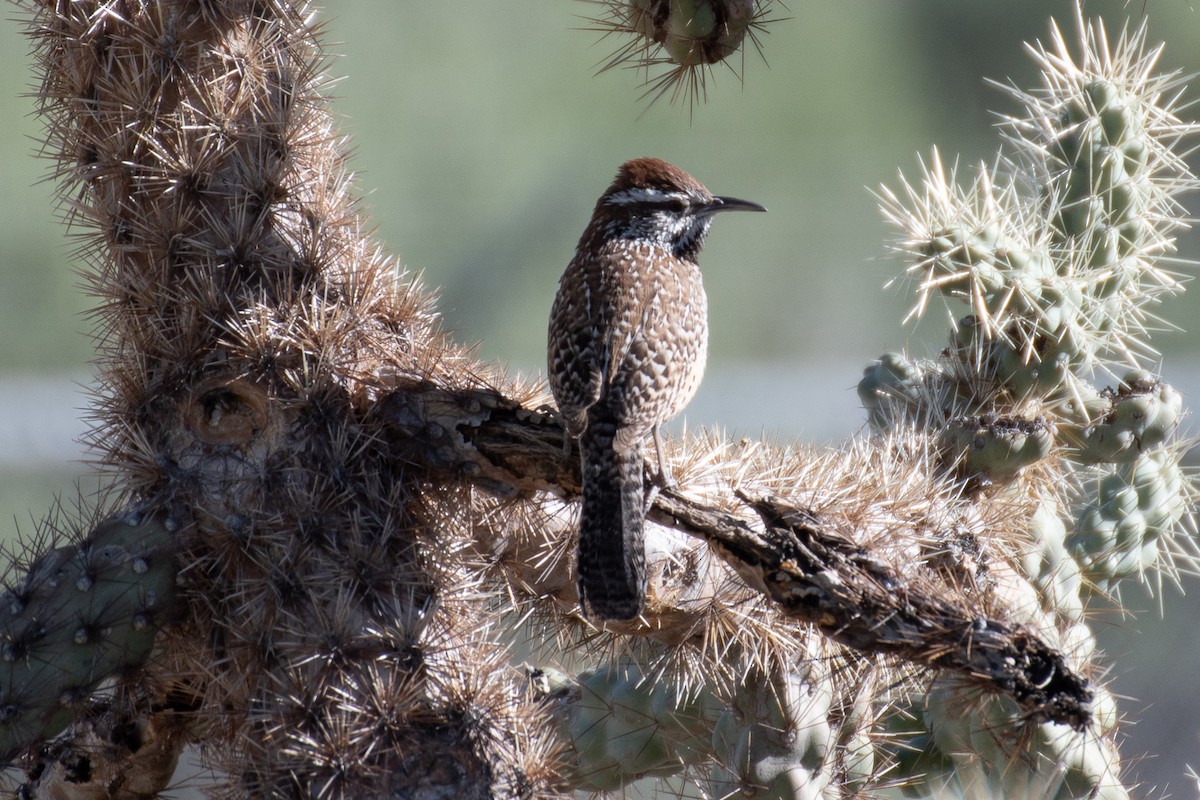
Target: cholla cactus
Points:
(1056, 252)
(365, 520)
(680, 40)
(79, 615)
(318, 646)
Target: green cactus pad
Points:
(1137, 505)
(81, 614)
(996, 447)
(1120, 424)
(625, 725)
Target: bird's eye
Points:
(676, 205)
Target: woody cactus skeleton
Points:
(339, 523)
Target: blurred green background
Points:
(482, 140)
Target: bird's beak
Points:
(732, 204)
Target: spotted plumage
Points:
(627, 347)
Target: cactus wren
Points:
(627, 346)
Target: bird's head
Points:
(658, 202)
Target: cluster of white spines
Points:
(1050, 260)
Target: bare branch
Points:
(812, 570)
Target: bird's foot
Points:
(660, 479)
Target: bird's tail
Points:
(612, 553)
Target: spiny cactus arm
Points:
(78, 615)
(676, 42)
(812, 570)
(1058, 249)
(333, 642)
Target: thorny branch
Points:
(810, 569)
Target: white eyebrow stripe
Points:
(627, 197)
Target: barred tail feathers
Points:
(612, 553)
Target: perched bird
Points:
(627, 346)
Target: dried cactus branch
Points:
(815, 572)
(812, 570)
(864, 603)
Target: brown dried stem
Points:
(812, 570)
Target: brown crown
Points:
(654, 173)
